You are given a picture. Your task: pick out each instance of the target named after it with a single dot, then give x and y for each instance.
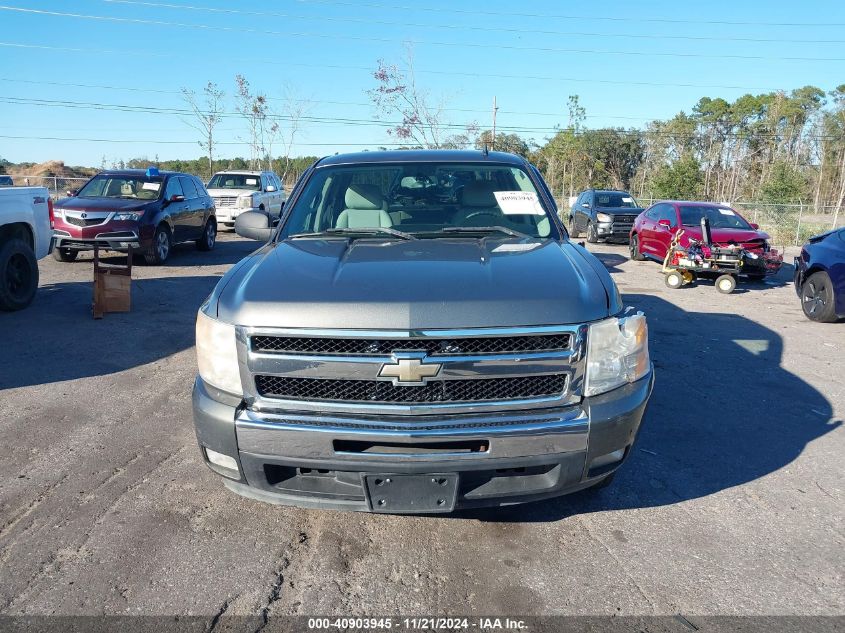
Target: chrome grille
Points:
(77, 221)
(378, 391)
(431, 346)
(225, 201)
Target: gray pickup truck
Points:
(417, 335)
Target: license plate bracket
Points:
(406, 494)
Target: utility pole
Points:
(493, 136)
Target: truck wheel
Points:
(18, 275)
(674, 279)
(209, 236)
(573, 230)
(64, 254)
(592, 235)
(725, 284)
(158, 252)
(636, 255)
(817, 299)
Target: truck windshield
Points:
(425, 200)
(614, 200)
(235, 181)
(133, 187)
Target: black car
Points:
(603, 215)
(149, 210)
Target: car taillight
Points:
(51, 213)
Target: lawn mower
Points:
(683, 265)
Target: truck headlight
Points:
(603, 217)
(245, 202)
(217, 355)
(617, 353)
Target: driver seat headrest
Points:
(479, 195)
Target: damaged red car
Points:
(655, 227)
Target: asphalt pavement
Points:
(731, 502)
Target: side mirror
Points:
(665, 223)
(254, 225)
(71, 192)
(755, 226)
(270, 188)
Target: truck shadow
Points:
(57, 339)
(724, 412)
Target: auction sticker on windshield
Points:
(152, 186)
(519, 203)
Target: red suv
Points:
(148, 210)
(655, 227)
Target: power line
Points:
(547, 16)
(461, 27)
(171, 142)
(497, 46)
(369, 70)
(313, 101)
(378, 123)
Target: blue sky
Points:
(629, 62)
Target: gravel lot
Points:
(731, 503)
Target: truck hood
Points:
(231, 193)
(422, 284)
(102, 204)
(620, 210)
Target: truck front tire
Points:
(18, 275)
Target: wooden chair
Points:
(112, 285)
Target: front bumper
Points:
(228, 215)
(613, 231)
(111, 240)
(314, 460)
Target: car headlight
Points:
(245, 202)
(217, 355)
(617, 353)
(132, 216)
(603, 217)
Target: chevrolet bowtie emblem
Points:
(409, 371)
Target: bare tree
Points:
(206, 116)
(422, 124)
(293, 110)
(254, 109)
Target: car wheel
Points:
(725, 284)
(817, 298)
(636, 255)
(592, 235)
(573, 230)
(158, 252)
(18, 275)
(64, 254)
(209, 236)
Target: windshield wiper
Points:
(483, 229)
(369, 230)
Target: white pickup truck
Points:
(26, 221)
(238, 191)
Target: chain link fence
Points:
(58, 185)
(788, 224)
